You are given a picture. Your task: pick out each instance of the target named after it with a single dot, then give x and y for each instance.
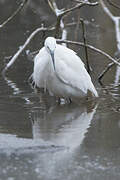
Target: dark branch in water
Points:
(14, 13)
(22, 48)
(90, 47)
(108, 67)
(84, 40)
(113, 4)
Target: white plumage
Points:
(59, 70)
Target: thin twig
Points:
(77, 28)
(84, 40)
(86, 22)
(16, 55)
(90, 47)
(113, 4)
(109, 66)
(14, 14)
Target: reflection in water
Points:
(56, 125)
(16, 90)
(12, 85)
(58, 132)
(63, 125)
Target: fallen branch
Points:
(21, 49)
(90, 47)
(14, 14)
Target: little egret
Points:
(61, 72)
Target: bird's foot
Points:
(62, 101)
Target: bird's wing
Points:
(70, 70)
(40, 62)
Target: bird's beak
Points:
(53, 60)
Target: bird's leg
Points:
(59, 101)
(70, 100)
(62, 101)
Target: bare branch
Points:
(54, 7)
(107, 11)
(109, 66)
(61, 13)
(90, 47)
(60, 23)
(116, 21)
(113, 4)
(14, 14)
(24, 46)
(82, 3)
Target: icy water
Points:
(40, 139)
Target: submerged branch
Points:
(16, 55)
(90, 47)
(14, 14)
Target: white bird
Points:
(59, 70)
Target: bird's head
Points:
(50, 45)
